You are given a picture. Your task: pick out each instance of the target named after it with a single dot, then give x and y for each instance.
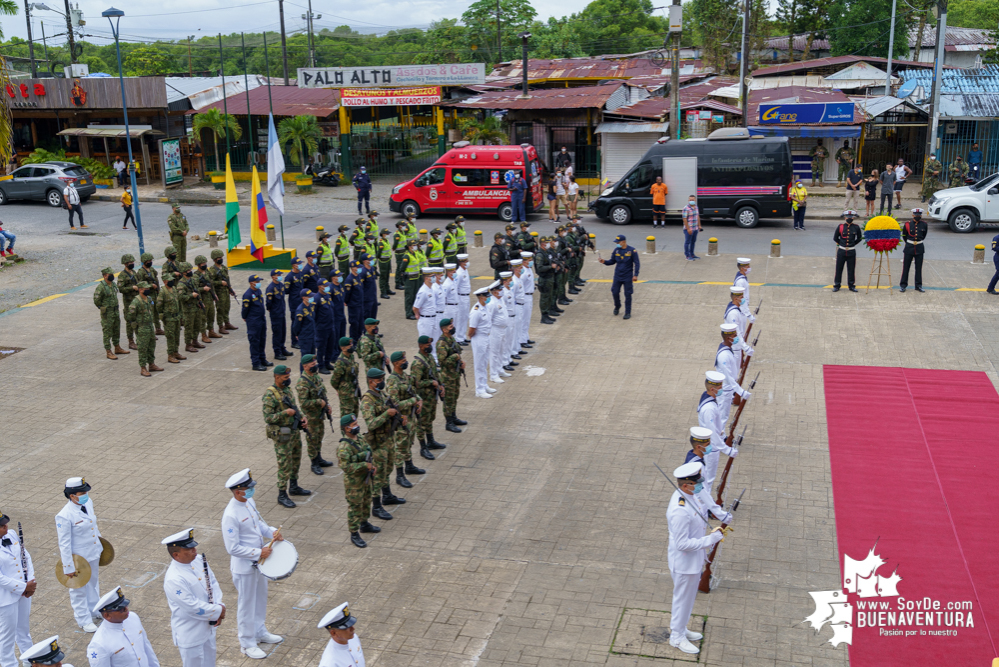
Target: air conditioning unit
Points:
(76, 70)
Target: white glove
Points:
(717, 537)
(749, 351)
(746, 395)
(734, 451)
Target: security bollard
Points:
(270, 233)
(319, 232)
(650, 245)
(979, 254)
(424, 235)
(712, 247)
(775, 248)
(213, 239)
(478, 239)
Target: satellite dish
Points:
(907, 88)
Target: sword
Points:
(668, 479)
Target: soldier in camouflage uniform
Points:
(958, 172)
(932, 171)
(370, 348)
(315, 405)
(424, 378)
(525, 241)
(106, 299)
(140, 316)
(354, 456)
(844, 162)
(819, 154)
(171, 312)
(128, 285)
(284, 421)
(147, 273)
(452, 366)
(381, 421)
(219, 275)
(343, 378)
(402, 394)
(177, 223)
(208, 297)
(171, 265)
(190, 302)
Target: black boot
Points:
(458, 422)
(564, 302)
(573, 290)
(356, 540)
(284, 500)
(400, 478)
(432, 443)
(556, 309)
(378, 511)
(323, 463)
(451, 426)
(425, 451)
(295, 490)
(368, 527)
(316, 469)
(413, 470)
(547, 319)
(389, 498)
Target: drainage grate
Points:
(8, 351)
(645, 633)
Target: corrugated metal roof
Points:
(586, 68)
(631, 128)
(832, 61)
(780, 43)
(972, 81)
(970, 106)
(583, 97)
(655, 107)
(203, 90)
(875, 106)
(955, 37)
(288, 101)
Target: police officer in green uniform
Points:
(819, 154)
(450, 244)
(400, 239)
(325, 254)
(410, 269)
(383, 255)
(844, 160)
(435, 248)
(342, 250)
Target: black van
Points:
(738, 176)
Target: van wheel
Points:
(620, 214)
(747, 217)
(54, 198)
(505, 212)
(963, 221)
(410, 207)
(3, 197)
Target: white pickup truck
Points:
(964, 208)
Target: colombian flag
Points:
(231, 207)
(258, 218)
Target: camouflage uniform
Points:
(202, 280)
(219, 275)
(128, 285)
(106, 298)
(150, 276)
(288, 445)
(356, 484)
(931, 180)
(819, 154)
(379, 435)
(140, 316)
(310, 393)
(844, 162)
(169, 309)
(422, 376)
(187, 293)
(399, 389)
(372, 352)
(171, 265)
(343, 379)
(449, 360)
(958, 172)
(178, 224)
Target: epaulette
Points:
(682, 502)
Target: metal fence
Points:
(958, 136)
(391, 147)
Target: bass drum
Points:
(281, 563)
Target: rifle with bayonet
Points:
(745, 363)
(705, 585)
(755, 313)
(728, 465)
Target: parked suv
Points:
(45, 181)
(963, 208)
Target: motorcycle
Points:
(324, 175)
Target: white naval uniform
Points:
(190, 611)
(725, 363)
(527, 280)
(124, 644)
(450, 290)
(709, 417)
(512, 324)
(438, 314)
(517, 285)
(78, 534)
(743, 282)
(15, 609)
(497, 333)
(705, 503)
(478, 319)
(734, 315)
(426, 303)
(245, 532)
(464, 286)
(686, 556)
(343, 655)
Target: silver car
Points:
(45, 182)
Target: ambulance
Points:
(472, 179)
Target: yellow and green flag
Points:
(231, 207)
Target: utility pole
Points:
(45, 45)
(190, 60)
(31, 44)
(891, 48)
(744, 67)
(499, 34)
(524, 36)
(309, 18)
(284, 44)
(675, 25)
(931, 149)
(69, 34)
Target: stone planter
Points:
(219, 182)
(304, 185)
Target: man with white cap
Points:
(195, 600)
(479, 326)
(686, 554)
(726, 363)
(742, 277)
(344, 647)
(496, 312)
(700, 451)
(247, 537)
(709, 417)
(527, 280)
(735, 314)
(17, 585)
(47, 653)
(450, 289)
(76, 528)
(425, 304)
(440, 302)
(512, 323)
(517, 289)
(121, 641)
(463, 286)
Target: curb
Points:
(200, 201)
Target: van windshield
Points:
(431, 177)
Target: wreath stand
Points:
(879, 267)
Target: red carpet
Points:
(913, 456)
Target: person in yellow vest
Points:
(342, 250)
(371, 226)
(368, 246)
(383, 254)
(435, 248)
(459, 233)
(400, 239)
(325, 254)
(410, 269)
(357, 238)
(411, 230)
(450, 245)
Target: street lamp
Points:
(114, 16)
(524, 36)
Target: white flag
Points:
(275, 167)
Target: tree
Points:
(515, 16)
(923, 9)
(619, 26)
(861, 27)
(9, 8)
(303, 133)
(982, 14)
(789, 20)
(717, 23)
(487, 131)
(444, 42)
(558, 38)
(216, 122)
(146, 61)
(814, 22)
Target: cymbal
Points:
(107, 555)
(82, 573)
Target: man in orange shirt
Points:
(659, 191)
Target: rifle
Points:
(286, 400)
(395, 421)
(195, 293)
(745, 364)
(433, 376)
(328, 411)
(24, 556)
(705, 585)
(208, 582)
(211, 288)
(357, 387)
(755, 312)
(461, 365)
(731, 435)
(728, 465)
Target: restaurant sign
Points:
(361, 97)
(465, 74)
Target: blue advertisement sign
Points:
(797, 114)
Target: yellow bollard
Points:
(424, 235)
(979, 257)
(270, 233)
(712, 247)
(775, 248)
(650, 245)
(319, 232)
(478, 239)
(213, 239)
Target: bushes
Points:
(96, 168)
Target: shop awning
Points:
(109, 133)
(834, 131)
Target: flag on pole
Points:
(275, 167)
(258, 219)
(231, 207)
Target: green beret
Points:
(107, 271)
(217, 253)
(347, 419)
(306, 358)
(375, 373)
(200, 259)
(169, 250)
(281, 369)
(146, 257)
(144, 285)
(396, 356)
(346, 340)
(423, 340)
(125, 259)
(446, 321)
(370, 321)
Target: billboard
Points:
(366, 97)
(396, 75)
(803, 114)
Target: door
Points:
(636, 186)
(39, 182)
(680, 176)
(430, 189)
(479, 189)
(622, 150)
(17, 186)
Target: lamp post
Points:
(114, 16)
(524, 36)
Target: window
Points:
(431, 177)
(480, 177)
(638, 180)
(76, 171)
(23, 172)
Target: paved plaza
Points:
(539, 535)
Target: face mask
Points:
(354, 430)
(326, 289)
(380, 385)
(708, 449)
(218, 261)
(130, 266)
(374, 330)
(202, 266)
(622, 246)
(249, 493)
(488, 299)
(172, 257)
(425, 350)
(748, 269)
(742, 301)
(698, 487)
(191, 273)
(300, 266)
(110, 278)
(691, 202)
(286, 382)
(312, 299)
(735, 341)
(83, 499)
(404, 365)
(147, 264)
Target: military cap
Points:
(619, 238)
(385, 232)
(76, 485)
(342, 228)
(396, 356)
(515, 262)
(144, 285)
(200, 259)
(436, 231)
(176, 206)
(437, 269)
(296, 259)
(735, 289)
(281, 369)
(360, 221)
(689, 472)
(423, 340)
(525, 223)
(506, 274)
(240, 480)
(850, 214)
(310, 254)
(185, 266)
(560, 229)
(369, 237)
(461, 257)
(918, 211)
(125, 259)
(106, 270)
(275, 272)
(498, 235)
(306, 358)
(400, 223)
(525, 254)
(184, 539)
(714, 377)
(305, 292)
(338, 619)
(450, 267)
(427, 270)
(496, 285)
(217, 254)
(4, 519)
(323, 282)
(411, 216)
(324, 236)
(44, 653)
(576, 216)
(370, 321)
(510, 226)
(113, 601)
(741, 261)
(146, 257)
(345, 340)
(460, 218)
(729, 328)
(169, 250)
(373, 214)
(254, 278)
(356, 264)
(347, 419)
(375, 373)
(450, 227)
(700, 434)
(481, 290)
(446, 321)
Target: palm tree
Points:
(490, 130)
(217, 122)
(303, 133)
(8, 7)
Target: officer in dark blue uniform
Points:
(324, 327)
(293, 289)
(353, 297)
(310, 273)
(274, 300)
(995, 260)
(627, 265)
(304, 324)
(339, 315)
(369, 278)
(256, 323)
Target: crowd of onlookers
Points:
(563, 191)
